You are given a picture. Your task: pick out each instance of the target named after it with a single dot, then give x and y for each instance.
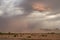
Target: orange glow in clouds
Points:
(40, 7)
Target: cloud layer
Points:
(18, 16)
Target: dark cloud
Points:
(3, 24)
(20, 22)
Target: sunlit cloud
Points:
(1, 13)
(50, 17)
(8, 8)
(33, 20)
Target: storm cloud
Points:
(19, 16)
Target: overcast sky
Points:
(18, 16)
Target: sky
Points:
(19, 16)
